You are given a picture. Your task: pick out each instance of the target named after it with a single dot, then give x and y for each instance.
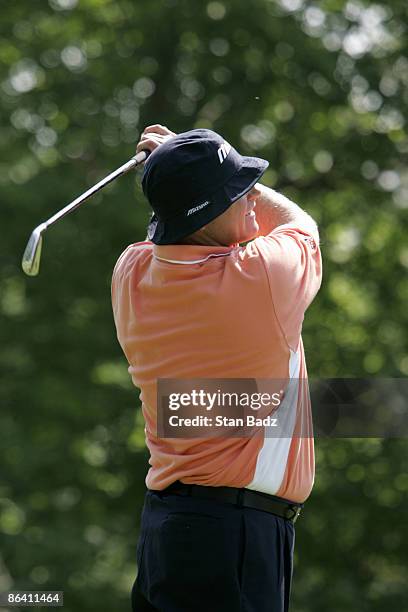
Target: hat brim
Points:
(180, 226)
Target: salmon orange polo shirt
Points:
(188, 311)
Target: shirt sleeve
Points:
(292, 260)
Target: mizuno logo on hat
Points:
(223, 151)
(197, 208)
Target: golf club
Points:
(32, 254)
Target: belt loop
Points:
(294, 511)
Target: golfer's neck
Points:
(201, 238)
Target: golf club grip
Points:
(141, 156)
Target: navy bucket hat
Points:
(193, 178)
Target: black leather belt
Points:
(243, 498)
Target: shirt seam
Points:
(121, 259)
(273, 302)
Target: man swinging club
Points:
(217, 529)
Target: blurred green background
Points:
(320, 89)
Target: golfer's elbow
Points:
(306, 222)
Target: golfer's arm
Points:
(274, 209)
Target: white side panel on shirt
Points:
(273, 456)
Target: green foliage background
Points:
(318, 88)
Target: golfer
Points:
(218, 290)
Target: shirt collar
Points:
(189, 253)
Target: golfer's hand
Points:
(153, 136)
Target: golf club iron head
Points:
(32, 254)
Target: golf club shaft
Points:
(129, 165)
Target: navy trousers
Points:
(197, 555)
